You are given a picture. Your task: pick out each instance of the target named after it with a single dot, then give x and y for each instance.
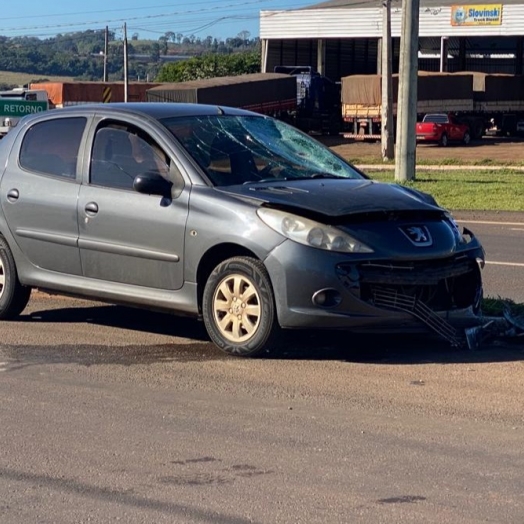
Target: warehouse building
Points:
(343, 37)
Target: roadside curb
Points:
(434, 167)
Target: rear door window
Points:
(51, 147)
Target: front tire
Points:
(239, 307)
(13, 296)
(466, 139)
(443, 140)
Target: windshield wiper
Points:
(265, 180)
(316, 176)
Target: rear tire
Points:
(443, 142)
(466, 139)
(13, 295)
(239, 307)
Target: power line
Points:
(127, 19)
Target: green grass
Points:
(376, 160)
(18, 79)
(494, 307)
(468, 190)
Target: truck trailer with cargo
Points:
(63, 94)
(486, 103)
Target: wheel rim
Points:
(236, 308)
(2, 278)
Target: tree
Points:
(210, 66)
(163, 45)
(155, 52)
(244, 36)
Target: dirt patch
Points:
(487, 150)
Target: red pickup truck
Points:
(442, 128)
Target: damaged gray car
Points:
(228, 216)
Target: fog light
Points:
(326, 298)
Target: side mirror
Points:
(152, 183)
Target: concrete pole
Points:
(126, 75)
(263, 65)
(406, 143)
(387, 143)
(106, 46)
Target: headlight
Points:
(311, 233)
(457, 231)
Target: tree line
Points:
(80, 55)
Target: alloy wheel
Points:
(237, 308)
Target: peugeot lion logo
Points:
(418, 235)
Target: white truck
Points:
(18, 102)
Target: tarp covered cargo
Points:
(71, 93)
(367, 89)
(504, 87)
(245, 91)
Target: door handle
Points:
(13, 195)
(91, 208)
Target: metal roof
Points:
(359, 4)
(363, 19)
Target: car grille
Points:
(440, 284)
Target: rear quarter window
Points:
(51, 147)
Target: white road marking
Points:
(492, 222)
(3, 366)
(516, 228)
(516, 264)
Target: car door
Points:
(39, 193)
(455, 131)
(124, 236)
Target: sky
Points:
(152, 19)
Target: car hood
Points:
(336, 197)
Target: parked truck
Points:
(18, 102)
(267, 93)
(63, 94)
(485, 103)
(294, 94)
(318, 100)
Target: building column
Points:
(518, 56)
(462, 54)
(379, 56)
(321, 56)
(444, 54)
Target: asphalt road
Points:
(113, 414)
(502, 235)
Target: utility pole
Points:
(126, 79)
(387, 142)
(106, 46)
(406, 144)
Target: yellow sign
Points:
(481, 14)
(106, 96)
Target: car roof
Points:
(159, 110)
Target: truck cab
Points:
(18, 102)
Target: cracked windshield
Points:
(243, 150)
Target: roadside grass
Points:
(494, 307)
(468, 190)
(377, 161)
(19, 79)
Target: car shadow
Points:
(122, 317)
(344, 346)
